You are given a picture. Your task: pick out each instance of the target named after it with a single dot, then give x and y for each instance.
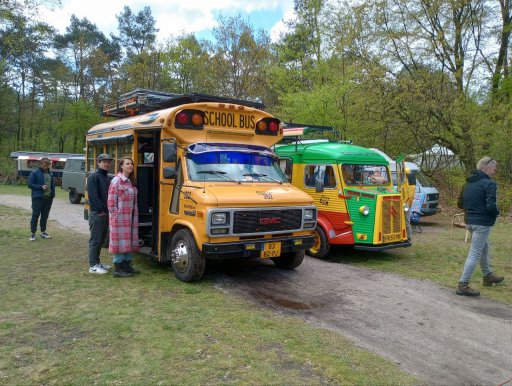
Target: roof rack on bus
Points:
(304, 133)
(141, 101)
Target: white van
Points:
(423, 185)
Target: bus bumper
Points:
(379, 248)
(252, 248)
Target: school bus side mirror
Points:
(169, 152)
(319, 185)
(169, 172)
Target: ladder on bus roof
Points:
(141, 101)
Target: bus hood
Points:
(250, 195)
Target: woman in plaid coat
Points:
(123, 219)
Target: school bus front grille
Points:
(258, 221)
(391, 216)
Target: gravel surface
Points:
(431, 333)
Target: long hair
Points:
(131, 177)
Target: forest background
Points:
(397, 75)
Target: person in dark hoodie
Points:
(97, 189)
(478, 199)
(42, 185)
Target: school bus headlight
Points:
(219, 218)
(364, 210)
(406, 207)
(309, 214)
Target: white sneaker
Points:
(97, 269)
(106, 267)
(45, 235)
(33, 237)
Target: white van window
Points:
(424, 181)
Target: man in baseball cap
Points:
(104, 157)
(97, 188)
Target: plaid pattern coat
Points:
(123, 215)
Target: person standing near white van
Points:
(478, 199)
(42, 185)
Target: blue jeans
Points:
(98, 225)
(120, 257)
(479, 252)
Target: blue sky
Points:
(174, 17)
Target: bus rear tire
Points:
(289, 260)
(321, 247)
(187, 263)
(74, 197)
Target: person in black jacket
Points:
(41, 183)
(97, 189)
(478, 199)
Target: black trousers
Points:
(40, 207)
(98, 225)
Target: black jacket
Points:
(97, 189)
(479, 199)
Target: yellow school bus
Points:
(209, 185)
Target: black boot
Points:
(119, 271)
(128, 267)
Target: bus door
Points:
(148, 160)
(169, 191)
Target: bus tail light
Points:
(268, 126)
(189, 119)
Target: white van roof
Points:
(392, 164)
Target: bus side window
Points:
(309, 176)
(329, 177)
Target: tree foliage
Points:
(394, 74)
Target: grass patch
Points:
(23, 190)
(61, 325)
(438, 256)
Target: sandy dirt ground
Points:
(431, 333)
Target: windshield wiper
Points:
(218, 172)
(262, 175)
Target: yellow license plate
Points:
(391, 237)
(271, 250)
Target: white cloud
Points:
(172, 17)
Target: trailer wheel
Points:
(321, 247)
(187, 262)
(74, 197)
(289, 260)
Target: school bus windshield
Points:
(229, 163)
(355, 174)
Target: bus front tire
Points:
(74, 197)
(321, 247)
(289, 260)
(187, 263)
